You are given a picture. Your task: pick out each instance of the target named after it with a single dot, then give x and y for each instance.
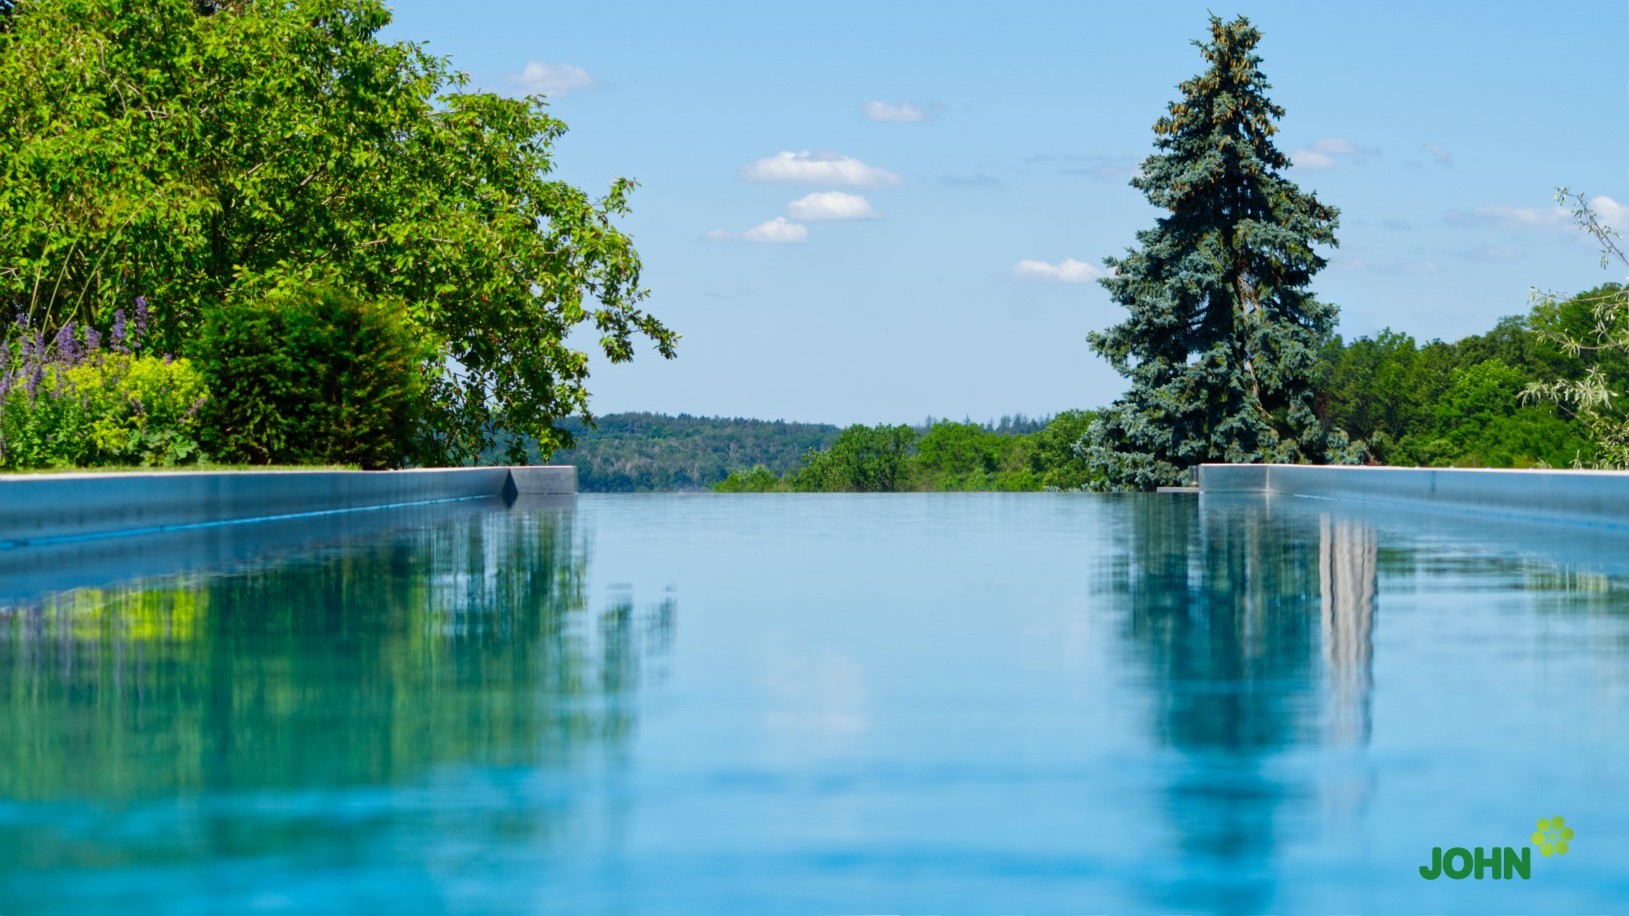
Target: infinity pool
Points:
(981, 703)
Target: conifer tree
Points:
(1223, 335)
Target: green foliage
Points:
(960, 456)
(1479, 421)
(966, 456)
(1572, 337)
(1223, 338)
(1017, 454)
(644, 452)
(1380, 385)
(758, 480)
(112, 409)
(192, 152)
(1462, 404)
(311, 375)
(1594, 338)
(863, 459)
(1056, 456)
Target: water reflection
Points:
(236, 705)
(1230, 614)
(1348, 577)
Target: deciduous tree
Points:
(1598, 397)
(193, 152)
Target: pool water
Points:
(959, 703)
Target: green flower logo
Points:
(1552, 836)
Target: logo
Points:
(1552, 836)
(1500, 862)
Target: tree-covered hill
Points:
(644, 452)
(641, 452)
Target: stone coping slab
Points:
(1598, 497)
(46, 508)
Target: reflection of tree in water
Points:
(1228, 611)
(1563, 572)
(461, 643)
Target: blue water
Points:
(968, 703)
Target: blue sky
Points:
(875, 212)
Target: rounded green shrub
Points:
(758, 480)
(312, 374)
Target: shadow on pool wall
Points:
(1258, 633)
(463, 642)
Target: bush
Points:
(312, 374)
(862, 459)
(1057, 457)
(959, 456)
(758, 480)
(71, 402)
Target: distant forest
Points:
(645, 452)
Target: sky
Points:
(870, 212)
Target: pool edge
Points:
(39, 509)
(1596, 497)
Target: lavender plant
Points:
(74, 398)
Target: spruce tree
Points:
(1223, 335)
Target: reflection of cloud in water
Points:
(1348, 581)
(1348, 575)
(815, 706)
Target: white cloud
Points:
(904, 111)
(1327, 153)
(1554, 218)
(1611, 213)
(1312, 159)
(778, 231)
(1068, 270)
(831, 205)
(1504, 216)
(1440, 153)
(820, 168)
(555, 80)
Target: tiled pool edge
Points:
(1598, 497)
(59, 507)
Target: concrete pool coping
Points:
(53, 508)
(1597, 497)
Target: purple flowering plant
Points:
(77, 398)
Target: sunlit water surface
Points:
(983, 703)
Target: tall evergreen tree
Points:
(1223, 336)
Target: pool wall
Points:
(57, 507)
(1600, 497)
